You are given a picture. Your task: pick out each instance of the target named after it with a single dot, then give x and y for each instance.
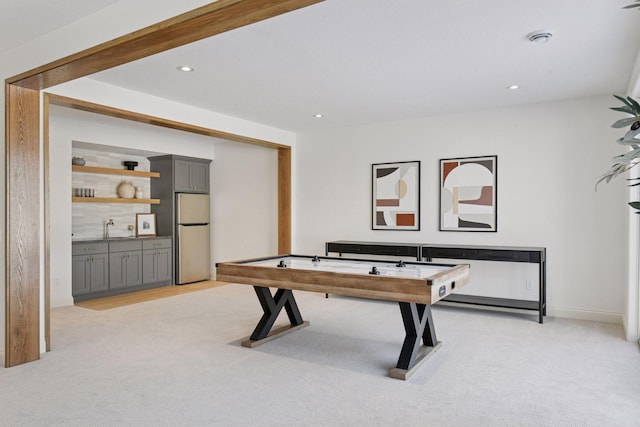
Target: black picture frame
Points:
(395, 196)
(469, 194)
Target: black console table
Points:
(427, 252)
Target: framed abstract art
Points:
(468, 194)
(396, 196)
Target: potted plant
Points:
(631, 139)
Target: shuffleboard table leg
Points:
(272, 305)
(418, 326)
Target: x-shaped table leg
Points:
(418, 326)
(272, 305)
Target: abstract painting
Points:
(396, 196)
(468, 194)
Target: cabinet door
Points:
(80, 268)
(134, 268)
(149, 267)
(199, 175)
(117, 270)
(99, 272)
(125, 269)
(182, 176)
(163, 262)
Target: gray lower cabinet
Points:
(156, 261)
(110, 268)
(89, 268)
(125, 264)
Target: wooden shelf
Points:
(114, 200)
(111, 171)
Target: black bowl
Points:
(130, 165)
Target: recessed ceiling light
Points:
(318, 116)
(513, 87)
(185, 68)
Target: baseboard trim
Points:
(61, 302)
(578, 314)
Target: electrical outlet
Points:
(529, 285)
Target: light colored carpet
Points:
(178, 362)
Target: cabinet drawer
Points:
(453, 253)
(391, 250)
(499, 255)
(411, 251)
(89, 248)
(125, 246)
(156, 244)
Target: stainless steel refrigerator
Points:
(193, 257)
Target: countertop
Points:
(117, 239)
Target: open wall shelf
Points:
(111, 171)
(114, 200)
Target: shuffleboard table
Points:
(415, 286)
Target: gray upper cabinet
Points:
(183, 174)
(191, 176)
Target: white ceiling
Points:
(367, 61)
(24, 20)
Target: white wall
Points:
(549, 156)
(245, 201)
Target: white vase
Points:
(126, 190)
(139, 193)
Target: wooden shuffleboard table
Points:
(415, 286)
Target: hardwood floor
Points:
(146, 295)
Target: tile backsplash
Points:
(89, 219)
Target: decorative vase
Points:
(139, 193)
(126, 190)
(78, 161)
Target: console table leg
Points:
(542, 292)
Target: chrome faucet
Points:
(106, 228)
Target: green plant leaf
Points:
(635, 205)
(623, 123)
(634, 103)
(633, 143)
(627, 110)
(622, 99)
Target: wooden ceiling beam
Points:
(78, 104)
(206, 21)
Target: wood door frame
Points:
(22, 144)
